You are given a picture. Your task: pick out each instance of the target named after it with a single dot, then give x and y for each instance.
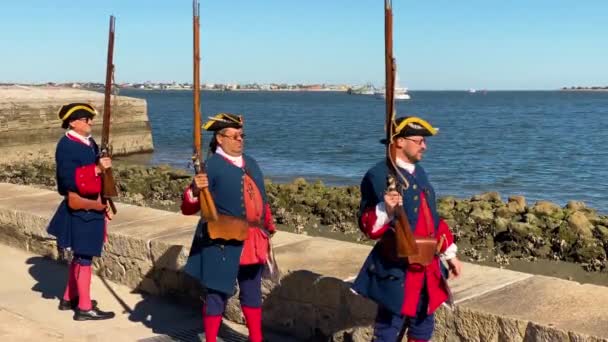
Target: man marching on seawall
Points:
(235, 247)
(407, 294)
(81, 219)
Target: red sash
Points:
(255, 249)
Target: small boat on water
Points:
(367, 89)
(367, 92)
(400, 92)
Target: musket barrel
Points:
(404, 237)
(107, 110)
(109, 185)
(208, 209)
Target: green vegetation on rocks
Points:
(485, 227)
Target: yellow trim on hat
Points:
(230, 117)
(417, 120)
(222, 117)
(211, 121)
(75, 108)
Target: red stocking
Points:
(253, 318)
(212, 325)
(83, 280)
(71, 289)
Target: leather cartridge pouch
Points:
(427, 247)
(228, 228)
(77, 202)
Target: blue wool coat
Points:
(215, 263)
(380, 279)
(80, 230)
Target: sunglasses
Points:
(417, 141)
(85, 120)
(234, 137)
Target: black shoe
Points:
(73, 304)
(94, 314)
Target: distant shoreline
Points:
(99, 87)
(591, 89)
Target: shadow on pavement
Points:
(51, 276)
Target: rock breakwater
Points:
(486, 227)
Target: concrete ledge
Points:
(30, 127)
(147, 249)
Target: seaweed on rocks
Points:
(486, 227)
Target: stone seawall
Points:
(147, 249)
(488, 229)
(30, 128)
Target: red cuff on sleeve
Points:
(190, 206)
(444, 229)
(268, 219)
(368, 220)
(87, 180)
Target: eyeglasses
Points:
(417, 141)
(235, 136)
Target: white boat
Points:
(367, 92)
(472, 91)
(400, 92)
(367, 89)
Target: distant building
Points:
(312, 87)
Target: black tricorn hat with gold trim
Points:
(74, 111)
(223, 120)
(408, 126)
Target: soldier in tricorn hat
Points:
(222, 254)
(407, 293)
(80, 221)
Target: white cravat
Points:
(86, 140)
(237, 161)
(409, 167)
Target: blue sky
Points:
(440, 44)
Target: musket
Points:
(208, 210)
(405, 242)
(108, 184)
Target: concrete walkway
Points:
(492, 303)
(28, 307)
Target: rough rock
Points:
(517, 204)
(488, 197)
(576, 205)
(580, 224)
(545, 208)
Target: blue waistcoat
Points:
(216, 262)
(80, 230)
(383, 280)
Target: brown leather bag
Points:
(427, 247)
(77, 202)
(228, 228)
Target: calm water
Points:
(543, 145)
